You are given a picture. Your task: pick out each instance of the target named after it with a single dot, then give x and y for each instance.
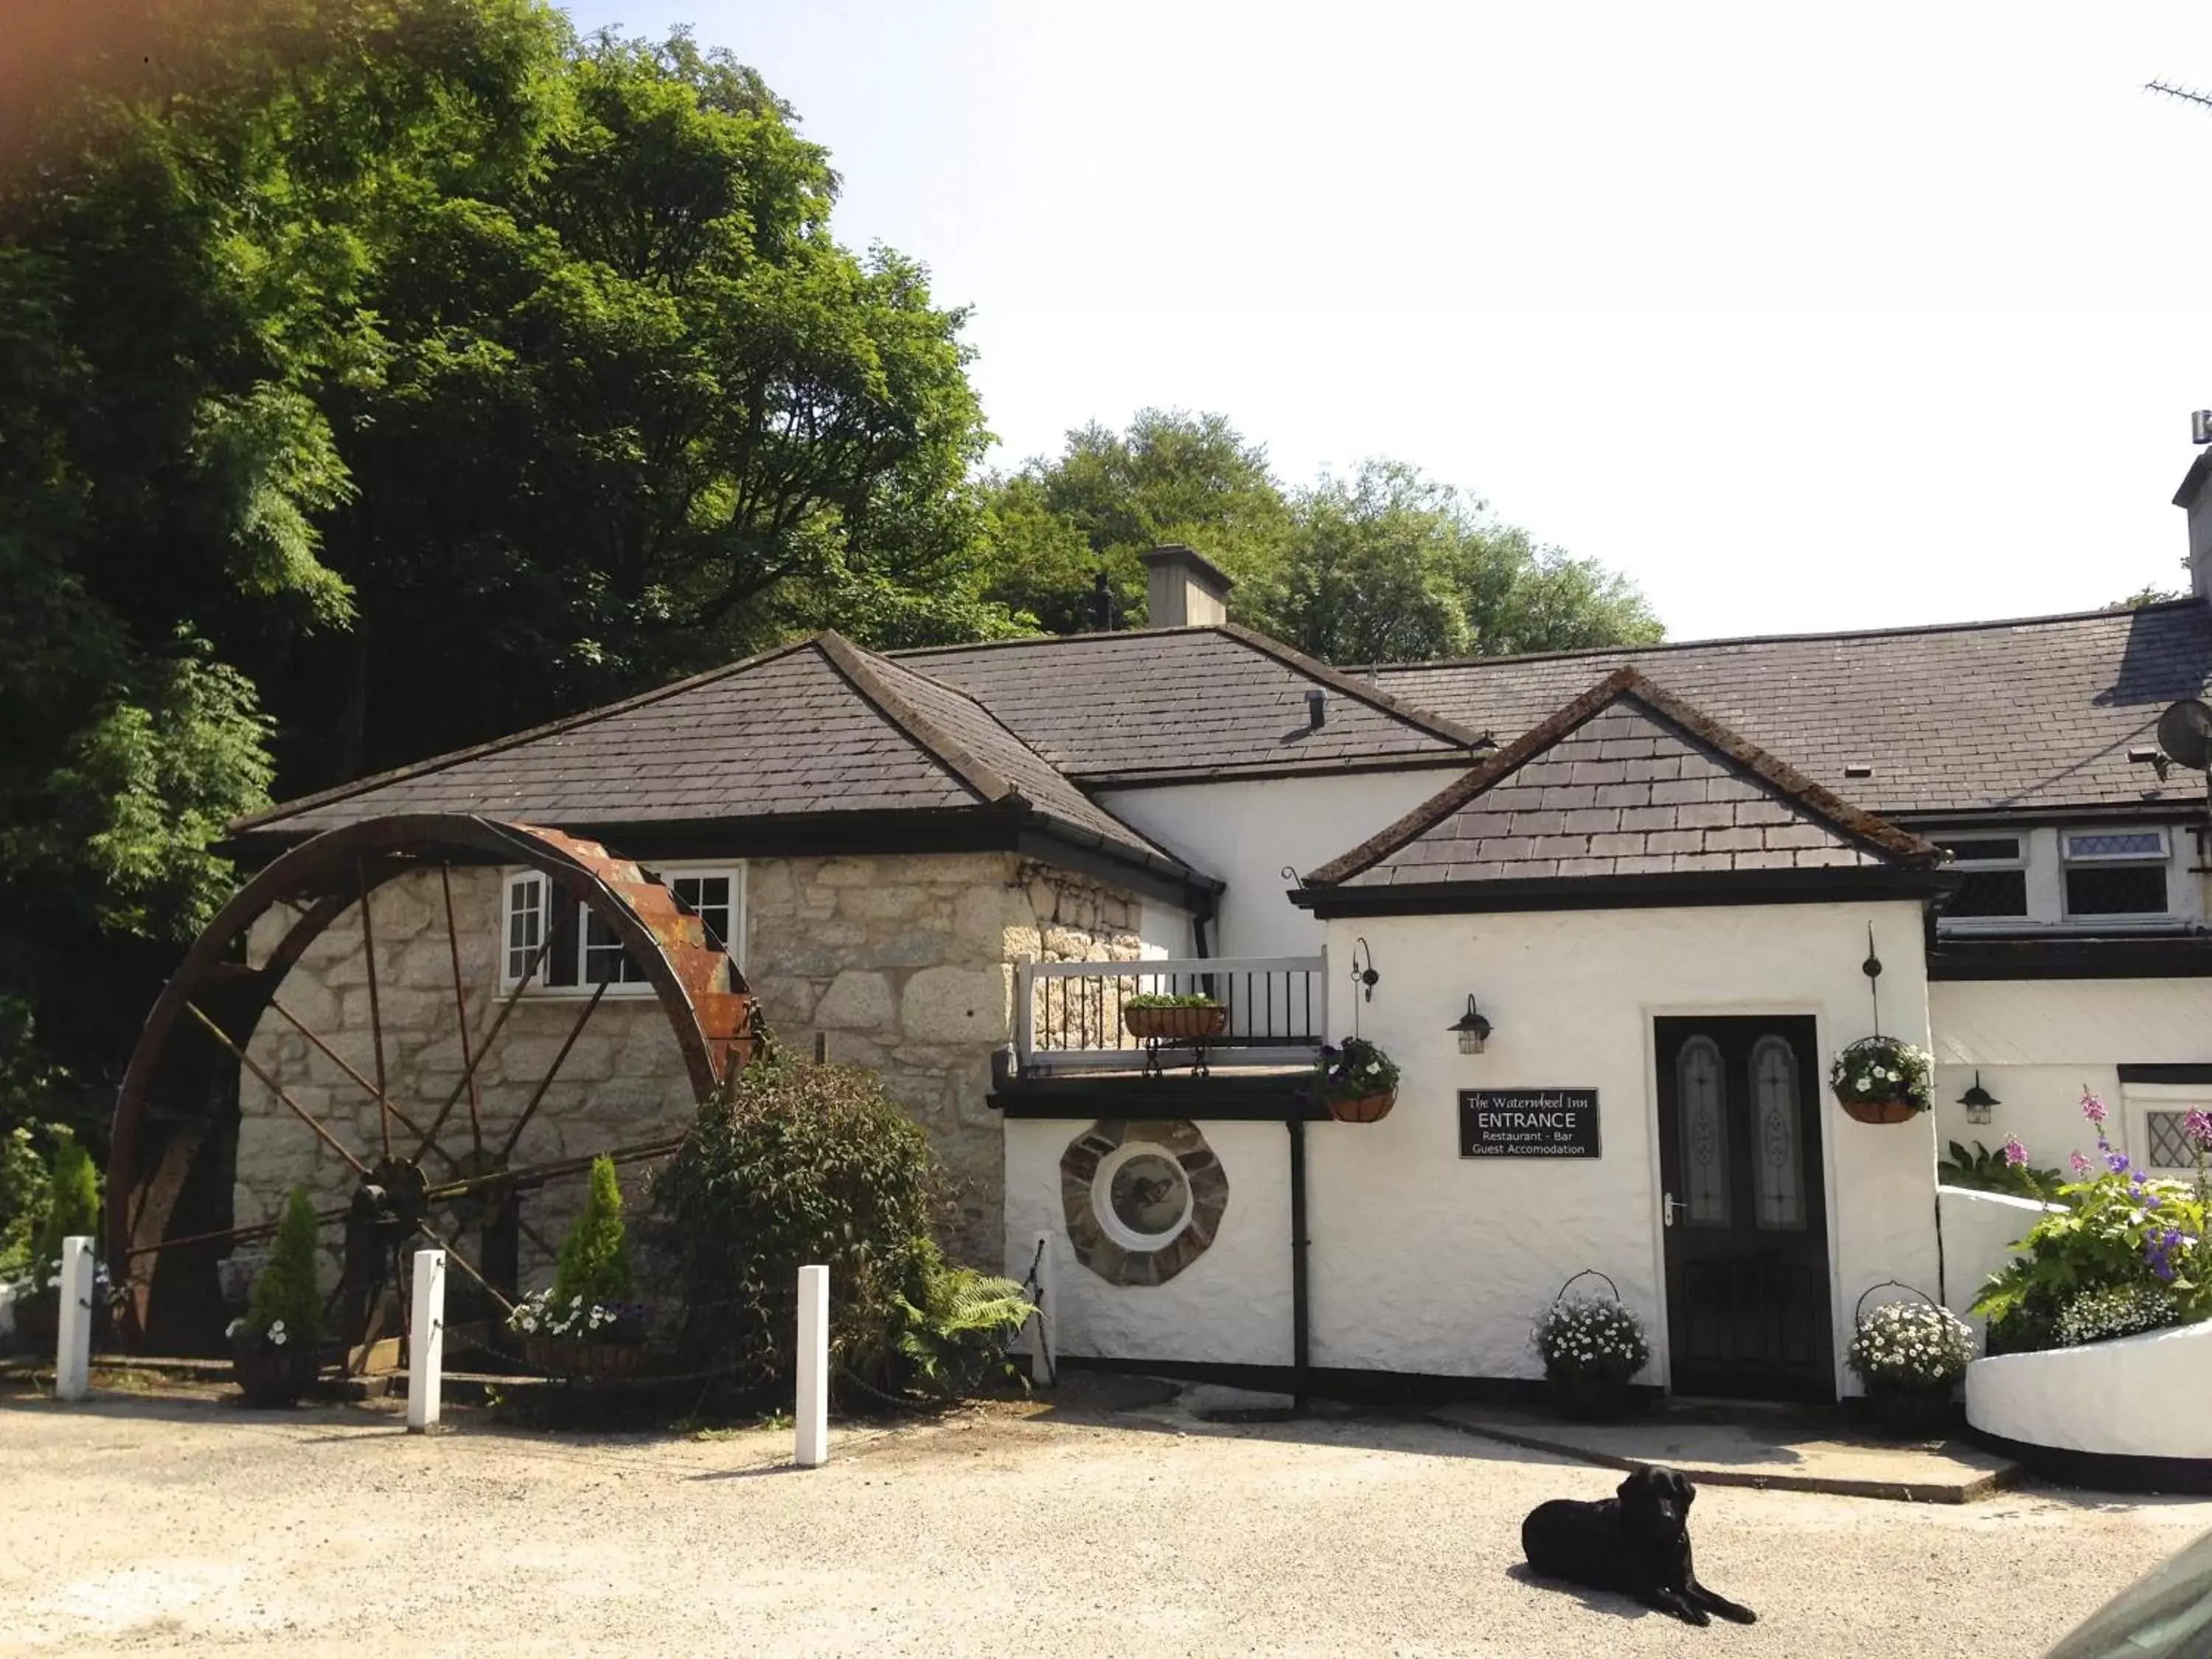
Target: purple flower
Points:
(2159, 1249)
(2015, 1154)
(2093, 1108)
(2117, 1163)
(2197, 1125)
(2080, 1166)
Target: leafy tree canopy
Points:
(1384, 566)
(377, 376)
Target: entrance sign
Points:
(1528, 1123)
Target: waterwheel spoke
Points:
(551, 1072)
(498, 1024)
(461, 1009)
(535, 1175)
(465, 1264)
(370, 1089)
(375, 1005)
(233, 1235)
(277, 1089)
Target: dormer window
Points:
(1993, 881)
(2115, 872)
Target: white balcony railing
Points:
(1068, 1014)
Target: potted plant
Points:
(272, 1349)
(1151, 1017)
(1909, 1355)
(1880, 1079)
(71, 1209)
(1358, 1082)
(587, 1324)
(1591, 1346)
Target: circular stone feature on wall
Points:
(1142, 1198)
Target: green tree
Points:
(1390, 566)
(1172, 477)
(594, 1262)
(381, 375)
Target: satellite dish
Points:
(2185, 732)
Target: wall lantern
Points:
(1473, 1029)
(1978, 1101)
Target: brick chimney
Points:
(2195, 497)
(1182, 590)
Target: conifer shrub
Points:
(593, 1268)
(72, 1205)
(285, 1298)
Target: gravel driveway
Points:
(1097, 1523)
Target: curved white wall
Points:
(1980, 1230)
(2140, 1396)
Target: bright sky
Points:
(1805, 318)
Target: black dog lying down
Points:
(1636, 1543)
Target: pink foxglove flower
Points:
(2094, 1109)
(2015, 1153)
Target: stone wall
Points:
(902, 964)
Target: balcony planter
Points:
(1879, 1079)
(1358, 1082)
(1174, 1019)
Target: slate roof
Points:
(1971, 719)
(820, 726)
(1175, 705)
(1625, 781)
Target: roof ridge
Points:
(1313, 668)
(1627, 682)
(1904, 630)
(297, 804)
(863, 671)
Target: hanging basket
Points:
(1186, 1025)
(1900, 1410)
(1362, 1108)
(1894, 1102)
(1585, 1396)
(1878, 1111)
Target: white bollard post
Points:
(426, 1341)
(1047, 1310)
(811, 1416)
(73, 1348)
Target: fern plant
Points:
(951, 1325)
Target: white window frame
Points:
(2139, 1100)
(2020, 860)
(670, 874)
(2161, 859)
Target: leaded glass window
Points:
(1778, 1134)
(1705, 1131)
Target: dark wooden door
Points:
(1744, 1209)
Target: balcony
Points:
(1069, 1023)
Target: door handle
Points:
(1667, 1205)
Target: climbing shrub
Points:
(796, 1164)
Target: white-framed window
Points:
(1993, 875)
(2116, 873)
(2156, 1119)
(584, 953)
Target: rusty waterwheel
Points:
(396, 1165)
